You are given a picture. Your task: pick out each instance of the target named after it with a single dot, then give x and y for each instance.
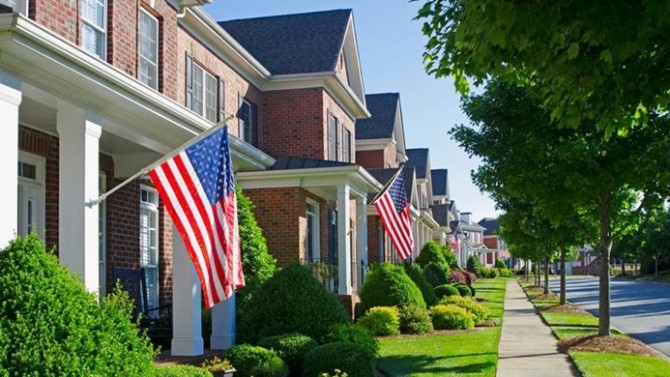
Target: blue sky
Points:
(391, 44)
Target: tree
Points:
(600, 63)
(566, 172)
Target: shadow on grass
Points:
(416, 364)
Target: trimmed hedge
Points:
(451, 317)
(478, 311)
(181, 371)
(389, 285)
(382, 320)
(292, 301)
(415, 320)
(292, 348)
(446, 290)
(254, 361)
(474, 265)
(431, 252)
(350, 358)
(416, 274)
(436, 274)
(464, 290)
(354, 334)
(50, 325)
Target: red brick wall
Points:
(373, 239)
(59, 16)
(294, 123)
(371, 159)
(491, 242)
(165, 261)
(122, 16)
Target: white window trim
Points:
(153, 207)
(40, 163)
(139, 53)
(20, 6)
(316, 228)
(102, 29)
(205, 74)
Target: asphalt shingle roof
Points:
(295, 43)
(441, 214)
(287, 163)
(383, 176)
(418, 159)
(492, 226)
(382, 108)
(439, 181)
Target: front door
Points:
(30, 217)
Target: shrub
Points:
(350, 358)
(416, 274)
(446, 290)
(500, 264)
(382, 320)
(354, 334)
(463, 290)
(415, 320)
(478, 311)
(458, 277)
(181, 371)
(292, 301)
(449, 256)
(389, 285)
(436, 274)
(487, 272)
(451, 317)
(50, 325)
(505, 272)
(292, 348)
(254, 361)
(474, 265)
(431, 252)
(470, 278)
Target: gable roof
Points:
(492, 226)
(383, 176)
(380, 125)
(418, 158)
(439, 181)
(441, 214)
(295, 43)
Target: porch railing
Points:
(324, 271)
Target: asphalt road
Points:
(641, 310)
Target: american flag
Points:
(393, 209)
(455, 243)
(197, 187)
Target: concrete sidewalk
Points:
(527, 346)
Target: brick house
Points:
(424, 224)
(472, 238)
(92, 91)
(492, 239)
(440, 206)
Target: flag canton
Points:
(397, 192)
(210, 159)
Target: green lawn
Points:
(571, 332)
(569, 319)
(472, 353)
(492, 291)
(592, 364)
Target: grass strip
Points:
(596, 364)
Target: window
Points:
(248, 122)
(346, 145)
(30, 201)
(149, 242)
(94, 27)
(312, 237)
(201, 90)
(20, 6)
(148, 50)
(332, 137)
(102, 236)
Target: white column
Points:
(362, 235)
(10, 99)
(343, 241)
(223, 325)
(186, 306)
(79, 133)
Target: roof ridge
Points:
(348, 10)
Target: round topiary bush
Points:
(416, 274)
(389, 285)
(50, 325)
(382, 320)
(292, 301)
(478, 311)
(431, 252)
(354, 334)
(451, 317)
(415, 320)
(180, 371)
(446, 290)
(254, 361)
(350, 358)
(463, 290)
(436, 274)
(474, 265)
(292, 348)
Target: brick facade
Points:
(59, 16)
(371, 159)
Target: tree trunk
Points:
(538, 277)
(563, 252)
(546, 276)
(656, 267)
(623, 267)
(604, 247)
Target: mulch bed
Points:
(165, 358)
(486, 323)
(565, 309)
(615, 344)
(549, 297)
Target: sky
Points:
(390, 45)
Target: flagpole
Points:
(381, 192)
(195, 139)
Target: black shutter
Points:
(254, 124)
(189, 81)
(222, 100)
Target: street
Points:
(642, 310)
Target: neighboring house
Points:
(492, 240)
(92, 91)
(440, 182)
(424, 225)
(472, 238)
(312, 203)
(440, 206)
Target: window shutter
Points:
(338, 139)
(189, 81)
(254, 124)
(240, 117)
(222, 100)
